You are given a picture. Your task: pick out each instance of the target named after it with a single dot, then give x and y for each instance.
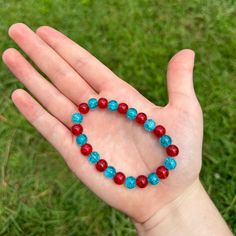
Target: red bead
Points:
(77, 129)
(101, 165)
(159, 131)
(172, 150)
(102, 102)
(83, 108)
(141, 118)
(122, 108)
(119, 178)
(162, 172)
(86, 149)
(141, 181)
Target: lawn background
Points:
(38, 194)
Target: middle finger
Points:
(62, 75)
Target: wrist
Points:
(192, 213)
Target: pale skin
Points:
(178, 205)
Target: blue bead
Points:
(153, 178)
(112, 105)
(94, 157)
(77, 118)
(110, 172)
(165, 140)
(170, 163)
(130, 182)
(92, 103)
(81, 139)
(149, 125)
(131, 113)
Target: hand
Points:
(75, 77)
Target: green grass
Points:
(38, 194)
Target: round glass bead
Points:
(153, 178)
(93, 157)
(77, 129)
(172, 150)
(101, 165)
(83, 108)
(77, 118)
(86, 149)
(165, 140)
(149, 125)
(122, 108)
(170, 163)
(102, 102)
(131, 113)
(119, 178)
(81, 139)
(92, 103)
(130, 182)
(159, 131)
(141, 181)
(110, 172)
(112, 105)
(141, 118)
(162, 172)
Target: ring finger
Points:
(52, 99)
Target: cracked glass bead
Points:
(81, 139)
(93, 157)
(110, 172)
(153, 178)
(77, 118)
(131, 113)
(170, 163)
(149, 125)
(130, 182)
(92, 103)
(112, 105)
(165, 140)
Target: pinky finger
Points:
(52, 129)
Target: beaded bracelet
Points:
(149, 125)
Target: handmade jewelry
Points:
(149, 125)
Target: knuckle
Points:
(82, 61)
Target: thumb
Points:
(180, 78)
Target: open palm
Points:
(75, 77)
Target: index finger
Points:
(88, 66)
